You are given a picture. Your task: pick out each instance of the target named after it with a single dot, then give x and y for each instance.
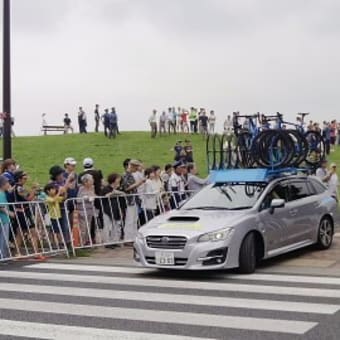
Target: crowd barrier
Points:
(114, 219)
(36, 229)
(26, 230)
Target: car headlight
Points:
(218, 235)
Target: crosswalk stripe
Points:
(136, 270)
(63, 332)
(202, 319)
(288, 278)
(184, 284)
(91, 268)
(199, 300)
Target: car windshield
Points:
(226, 197)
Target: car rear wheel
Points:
(325, 233)
(247, 257)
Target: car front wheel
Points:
(247, 257)
(325, 233)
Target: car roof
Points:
(258, 175)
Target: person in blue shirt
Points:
(5, 221)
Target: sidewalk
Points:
(305, 261)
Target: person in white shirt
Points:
(153, 123)
(163, 120)
(177, 185)
(194, 182)
(212, 121)
(151, 195)
(228, 125)
(333, 182)
(322, 172)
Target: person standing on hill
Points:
(67, 124)
(153, 123)
(106, 122)
(193, 120)
(113, 126)
(82, 120)
(96, 118)
(212, 121)
(162, 123)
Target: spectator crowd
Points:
(111, 208)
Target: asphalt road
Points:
(78, 301)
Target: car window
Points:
(226, 196)
(318, 187)
(298, 190)
(279, 191)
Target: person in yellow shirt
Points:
(53, 200)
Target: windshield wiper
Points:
(207, 208)
(241, 208)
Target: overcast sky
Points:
(227, 55)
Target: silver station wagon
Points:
(243, 217)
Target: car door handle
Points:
(293, 212)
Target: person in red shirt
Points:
(184, 121)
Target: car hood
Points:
(191, 223)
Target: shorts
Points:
(333, 140)
(56, 225)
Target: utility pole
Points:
(6, 95)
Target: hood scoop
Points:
(183, 219)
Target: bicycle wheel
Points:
(244, 149)
(300, 147)
(214, 152)
(316, 148)
(273, 148)
(230, 155)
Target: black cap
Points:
(55, 171)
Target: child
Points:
(4, 218)
(53, 200)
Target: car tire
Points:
(325, 233)
(247, 256)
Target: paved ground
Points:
(293, 297)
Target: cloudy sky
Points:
(227, 55)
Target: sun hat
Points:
(70, 161)
(88, 162)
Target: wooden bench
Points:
(46, 128)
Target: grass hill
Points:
(37, 154)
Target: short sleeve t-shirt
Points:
(4, 218)
(204, 120)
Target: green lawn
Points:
(37, 154)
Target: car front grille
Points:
(178, 261)
(166, 242)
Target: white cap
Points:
(70, 161)
(88, 162)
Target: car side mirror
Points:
(276, 203)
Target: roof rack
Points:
(254, 175)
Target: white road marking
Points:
(201, 319)
(324, 280)
(198, 300)
(63, 332)
(183, 284)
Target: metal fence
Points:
(46, 228)
(114, 219)
(27, 230)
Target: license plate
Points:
(165, 258)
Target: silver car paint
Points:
(288, 228)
